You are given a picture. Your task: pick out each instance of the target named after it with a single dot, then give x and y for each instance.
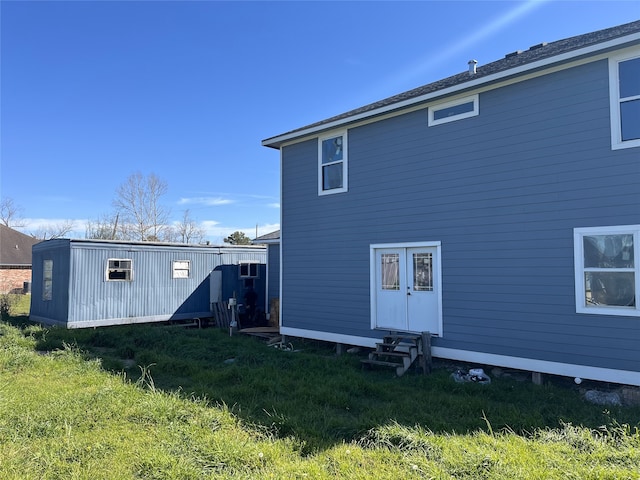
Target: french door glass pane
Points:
(390, 271)
(423, 272)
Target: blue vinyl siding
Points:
(273, 261)
(502, 191)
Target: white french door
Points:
(406, 294)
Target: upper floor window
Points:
(624, 86)
(454, 110)
(332, 163)
(607, 270)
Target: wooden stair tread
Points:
(381, 362)
(392, 354)
(403, 337)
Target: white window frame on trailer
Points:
(127, 270)
(180, 269)
(450, 106)
(253, 269)
(617, 100)
(338, 138)
(582, 290)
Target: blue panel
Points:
(502, 191)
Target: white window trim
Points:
(106, 272)
(454, 103)
(614, 98)
(578, 252)
(248, 264)
(178, 266)
(345, 157)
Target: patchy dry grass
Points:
(163, 402)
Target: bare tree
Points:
(10, 213)
(137, 203)
(188, 231)
(104, 228)
(53, 230)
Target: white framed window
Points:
(119, 270)
(624, 92)
(332, 163)
(47, 280)
(454, 110)
(607, 273)
(249, 269)
(181, 269)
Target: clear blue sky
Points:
(93, 91)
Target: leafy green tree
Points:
(238, 238)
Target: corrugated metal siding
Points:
(502, 191)
(153, 295)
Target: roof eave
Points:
(277, 141)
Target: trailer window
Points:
(248, 270)
(47, 279)
(181, 269)
(119, 270)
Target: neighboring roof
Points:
(273, 237)
(512, 64)
(15, 247)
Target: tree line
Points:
(137, 215)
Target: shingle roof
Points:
(268, 238)
(15, 247)
(511, 61)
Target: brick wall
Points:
(12, 279)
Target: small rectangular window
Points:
(453, 110)
(119, 270)
(607, 271)
(624, 90)
(332, 164)
(181, 269)
(249, 270)
(47, 279)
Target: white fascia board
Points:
(277, 141)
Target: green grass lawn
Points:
(156, 401)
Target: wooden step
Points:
(382, 363)
(391, 354)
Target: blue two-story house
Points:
(497, 209)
